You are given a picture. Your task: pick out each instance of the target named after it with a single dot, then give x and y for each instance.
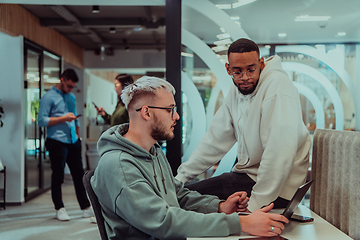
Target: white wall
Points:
(102, 93)
(12, 99)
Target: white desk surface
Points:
(319, 229)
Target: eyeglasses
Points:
(250, 73)
(169, 109)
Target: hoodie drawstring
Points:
(157, 185)
(162, 176)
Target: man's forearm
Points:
(56, 120)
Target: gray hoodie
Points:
(141, 199)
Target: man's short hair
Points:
(243, 45)
(145, 85)
(70, 74)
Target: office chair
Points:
(95, 204)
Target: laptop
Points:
(296, 199)
(294, 202)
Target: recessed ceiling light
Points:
(95, 9)
(223, 6)
(341, 34)
(112, 30)
(282, 34)
(235, 18)
(307, 18)
(242, 3)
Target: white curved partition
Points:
(218, 16)
(198, 114)
(319, 77)
(329, 59)
(315, 102)
(208, 56)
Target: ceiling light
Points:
(223, 6)
(112, 30)
(184, 54)
(267, 46)
(242, 3)
(341, 34)
(223, 41)
(235, 18)
(201, 78)
(95, 9)
(137, 29)
(307, 18)
(238, 23)
(223, 36)
(282, 34)
(220, 48)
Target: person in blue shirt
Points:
(58, 113)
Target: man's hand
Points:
(69, 117)
(236, 202)
(262, 223)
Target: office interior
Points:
(318, 42)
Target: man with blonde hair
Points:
(139, 196)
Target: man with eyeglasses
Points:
(262, 114)
(58, 113)
(139, 196)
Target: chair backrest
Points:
(95, 204)
(335, 194)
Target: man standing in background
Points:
(58, 113)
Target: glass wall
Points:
(42, 71)
(324, 73)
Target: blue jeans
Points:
(61, 153)
(227, 183)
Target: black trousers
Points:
(61, 153)
(227, 183)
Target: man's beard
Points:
(247, 91)
(158, 132)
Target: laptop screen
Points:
(296, 199)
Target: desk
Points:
(319, 229)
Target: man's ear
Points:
(145, 114)
(262, 63)
(227, 68)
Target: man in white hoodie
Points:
(262, 113)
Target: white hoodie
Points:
(273, 142)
